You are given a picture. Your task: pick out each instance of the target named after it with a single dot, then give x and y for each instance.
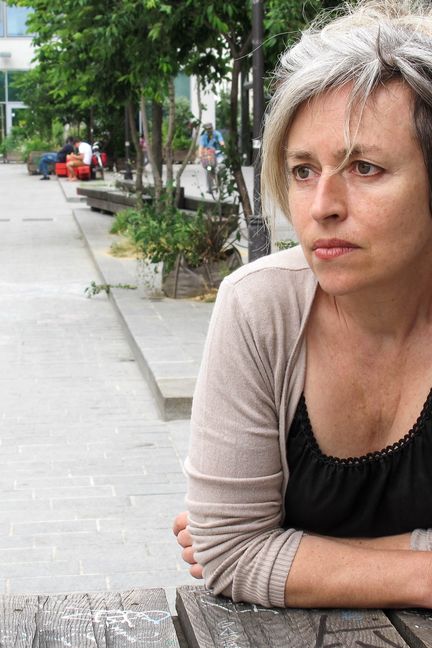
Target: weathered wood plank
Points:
(99, 620)
(415, 626)
(210, 206)
(105, 205)
(216, 622)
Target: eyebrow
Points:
(340, 154)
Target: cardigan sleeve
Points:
(234, 466)
(421, 540)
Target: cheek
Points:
(298, 209)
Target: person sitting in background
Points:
(51, 158)
(310, 460)
(74, 160)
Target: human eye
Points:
(366, 169)
(302, 172)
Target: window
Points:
(2, 16)
(2, 86)
(16, 20)
(14, 92)
(182, 86)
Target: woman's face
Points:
(367, 223)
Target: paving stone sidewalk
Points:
(90, 476)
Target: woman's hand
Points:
(184, 539)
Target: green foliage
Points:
(223, 111)
(95, 289)
(19, 140)
(96, 56)
(286, 244)
(163, 236)
(13, 141)
(183, 118)
(283, 22)
(36, 144)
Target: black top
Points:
(381, 493)
(64, 152)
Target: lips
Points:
(332, 248)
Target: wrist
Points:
(423, 582)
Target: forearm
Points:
(330, 573)
(396, 542)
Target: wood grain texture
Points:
(415, 626)
(101, 620)
(216, 622)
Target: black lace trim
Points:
(378, 455)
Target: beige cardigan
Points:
(251, 379)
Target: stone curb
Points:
(154, 329)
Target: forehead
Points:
(386, 117)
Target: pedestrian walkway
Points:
(90, 476)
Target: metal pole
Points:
(259, 239)
(128, 170)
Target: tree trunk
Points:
(157, 134)
(192, 146)
(170, 136)
(139, 152)
(233, 144)
(157, 177)
(246, 131)
(91, 127)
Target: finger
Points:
(196, 571)
(180, 522)
(184, 538)
(188, 555)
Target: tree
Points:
(106, 53)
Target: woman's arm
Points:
(396, 543)
(234, 470)
(326, 573)
(369, 563)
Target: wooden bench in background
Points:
(141, 618)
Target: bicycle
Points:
(211, 160)
(97, 165)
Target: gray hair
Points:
(374, 42)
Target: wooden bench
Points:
(101, 620)
(142, 618)
(208, 622)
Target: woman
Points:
(309, 470)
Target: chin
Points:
(338, 284)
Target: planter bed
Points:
(114, 201)
(33, 160)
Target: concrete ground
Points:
(90, 473)
(90, 476)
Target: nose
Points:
(329, 201)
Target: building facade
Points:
(16, 54)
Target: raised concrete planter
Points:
(33, 161)
(166, 336)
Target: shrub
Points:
(163, 236)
